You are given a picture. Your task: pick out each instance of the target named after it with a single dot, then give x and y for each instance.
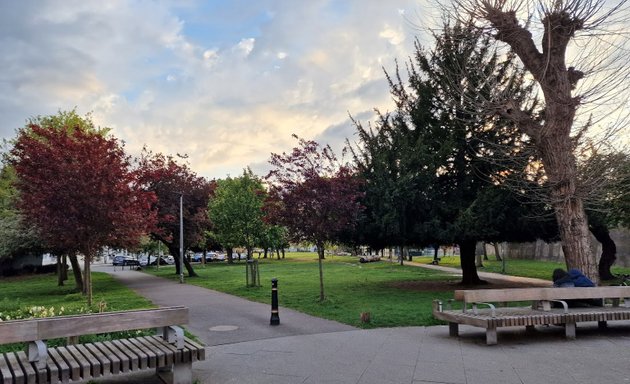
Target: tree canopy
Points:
(236, 212)
(314, 195)
(169, 180)
(77, 187)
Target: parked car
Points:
(125, 260)
(210, 257)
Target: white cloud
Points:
(228, 96)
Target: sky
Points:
(226, 82)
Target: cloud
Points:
(227, 83)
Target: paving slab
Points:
(304, 349)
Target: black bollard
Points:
(275, 319)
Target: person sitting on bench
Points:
(574, 278)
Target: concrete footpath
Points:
(244, 348)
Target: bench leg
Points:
(179, 373)
(569, 330)
(602, 324)
(453, 329)
(491, 336)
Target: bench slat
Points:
(169, 356)
(27, 367)
(133, 349)
(5, 371)
(151, 356)
(176, 353)
(96, 366)
(81, 362)
(74, 366)
(125, 361)
(201, 350)
(530, 294)
(160, 355)
(116, 365)
(85, 371)
(61, 366)
(15, 331)
(18, 375)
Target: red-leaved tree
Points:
(169, 180)
(314, 195)
(77, 186)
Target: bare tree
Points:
(579, 65)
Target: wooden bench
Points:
(169, 352)
(494, 308)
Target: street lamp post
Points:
(181, 238)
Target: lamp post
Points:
(181, 238)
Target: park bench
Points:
(169, 352)
(494, 308)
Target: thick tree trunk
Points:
(552, 137)
(485, 252)
(569, 209)
(436, 255)
(76, 272)
(230, 257)
(609, 251)
(176, 255)
(467, 258)
(320, 251)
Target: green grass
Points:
(19, 294)
(526, 268)
(393, 294)
(350, 288)
(39, 296)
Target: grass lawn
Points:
(394, 295)
(386, 290)
(19, 294)
(526, 268)
(39, 296)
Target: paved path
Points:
(308, 350)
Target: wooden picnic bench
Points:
(494, 308)
(169, 352)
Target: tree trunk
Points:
(485, 252)
(436, 255)
(230, 253)
(283, 253)
(496, 251)
(87, 279)
(76, 272)
(401, 257)
(609, 251)
(320, 251)
(189, 268)
(60, 266)
(478, 254)
(552, 137)
(467, 258)
(64, 267)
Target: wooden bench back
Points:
(66, 326)
(529, 294)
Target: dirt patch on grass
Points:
(450, 285)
